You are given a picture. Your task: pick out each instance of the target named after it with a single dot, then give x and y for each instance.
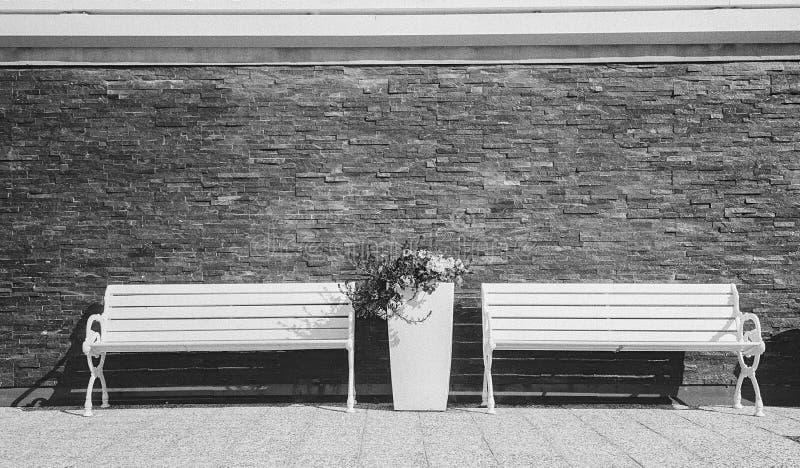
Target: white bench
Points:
(219, 317)
(619, 317)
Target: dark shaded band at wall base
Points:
(692, 395)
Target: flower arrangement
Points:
(381, 293)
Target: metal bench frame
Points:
(226, 302)
(748, 343)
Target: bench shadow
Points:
(274, 377)
(778, 373)
(64, 370)
(320, 376)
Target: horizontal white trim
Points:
(387, 7)
(109, 57)
(467, 30)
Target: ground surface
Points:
(324, 435)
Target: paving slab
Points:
(515, 440)
(453, 439)
(704, 444)
(772, 421)
(392, 439)
(574, 440)
(645, 446)
(790, 413)
(776, 450)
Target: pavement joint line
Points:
(789, 417)
(662, 436)
(698, 455)
(546, 434)
(603, 436)
(668, 439)
(753, 447)
(361, 438)
(424, 447)
(483, 437)
(761, 426)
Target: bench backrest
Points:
(611, 312)
(226, 312)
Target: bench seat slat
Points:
(609, 299)
(566, 345)
(232, 345)
(612, 336)
(253, 288)
(213, 299)
(587, 311)
(222, 311)
(228, 335)
(119, 325)
(653, 324)
(630, 288)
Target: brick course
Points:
(643, 173)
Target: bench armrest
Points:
(92, 336)
(754, 335)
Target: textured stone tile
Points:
(708, 446)
(770, 446)
(791, 413)
(453, 438)
(562, 429)
(392, 439)
(331, 432)
(776, 419)
(515, 440)
(639, 442)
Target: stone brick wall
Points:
(642, 173)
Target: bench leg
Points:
(748, 371)
(96, 373)
(87, 406)
(102, 378)
(351, 383)
(488, 377)
(484, 391)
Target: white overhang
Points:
(28, 29)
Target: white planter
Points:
(420, 352)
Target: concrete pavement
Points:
(305, 435)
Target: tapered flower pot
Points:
(420, 352)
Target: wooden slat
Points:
(609, 299)
(166, 347)
(227, 324)
(615, 324)
(226, 335)
(611, 336)
(611, 311)
(194, 288)
(212, 299)
(221, 311)
(628, 346)
(622, 288)
(691, 346)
